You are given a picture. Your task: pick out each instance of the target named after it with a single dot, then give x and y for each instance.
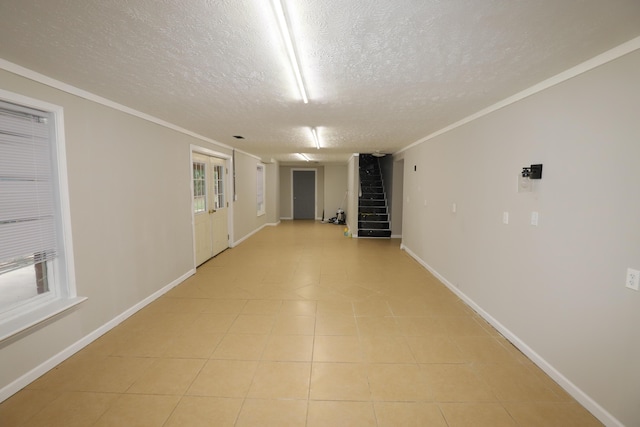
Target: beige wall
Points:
(397, 202)
(130, 197)
(320, 192)
(285, 193)
(273, 192)
(558, 288)
(353, 192)
(335, 187)
(246, 219)
(286, 190)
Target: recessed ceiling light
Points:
(238, 136)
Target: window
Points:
(36, 274)
(260, 189)
(199, 187)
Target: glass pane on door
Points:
(199, 187)
(218, 183)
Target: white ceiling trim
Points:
(608, 56)
(247, 154)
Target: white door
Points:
(210, 206)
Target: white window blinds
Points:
(27, 210)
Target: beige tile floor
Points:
(300, 326)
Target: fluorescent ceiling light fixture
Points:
(304, 157)
(288, 41)
(314, 132)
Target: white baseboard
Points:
(286, 218)
(585, 400)
(26, 379)
(396, 236)
(271, 224)
(237, 242)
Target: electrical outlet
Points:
(633, 279)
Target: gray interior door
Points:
(304, 194)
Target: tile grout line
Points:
(313, 348)
(244, 398)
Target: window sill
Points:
(28, 320)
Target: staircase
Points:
(373, 215)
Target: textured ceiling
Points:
(380, 74)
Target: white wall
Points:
(557, 289)
(130, 197)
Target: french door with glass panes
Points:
(210, 206)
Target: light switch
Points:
(454, 208)
(534, 218)
(505, 217)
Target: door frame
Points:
(315, 190)
(228, 163)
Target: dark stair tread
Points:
(372, 202)
(373, 209)
(373, 225)
(374, 233)
(370, 216)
